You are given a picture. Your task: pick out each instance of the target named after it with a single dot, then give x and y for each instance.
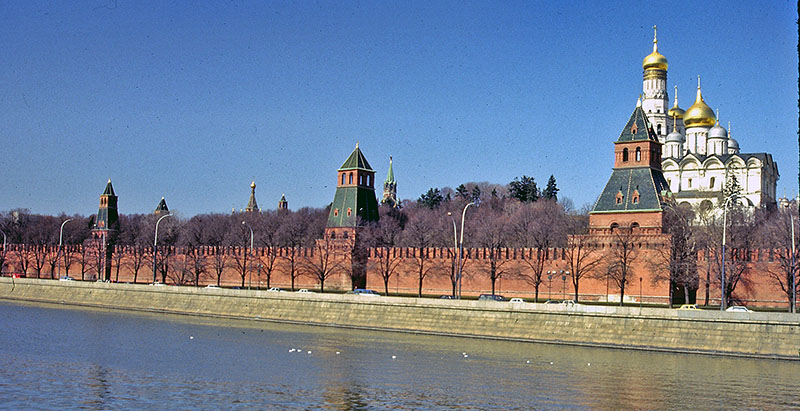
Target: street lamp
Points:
(58, 252)
(792, 267)
(724, 226)
(564, 286)
(249, 274)
(455, 243)
(550, 284)
(461, 246)
(4, 252)
(155, 245)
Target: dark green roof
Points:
(390, 175)
(360, 200)
(648, 182)
(638, 128)
(356, 161)
(109, 191)
(162, 206)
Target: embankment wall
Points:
(771, 335)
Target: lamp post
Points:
(4, 252)
(249, 274)
(724, 226)
(793, 308)
(155, 245)
(564, 286)
(550, 284)
(640, 292)
(455, 246)
(58, 252)
(461, 247)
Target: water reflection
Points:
(121, 360)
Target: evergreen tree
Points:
(551, 191)
(476, 193)
(462, 192)
(432, 199)
(494, 193)
(731, 189)
(524, 189)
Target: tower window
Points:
(658, 127)
(342, 178)
(350, 179)
(711, 184)
(614, 227)
(336, 212)
(349, 212)
(344, 234)
(690, 183)
(638, 154)
(625, 154)
(360, 180)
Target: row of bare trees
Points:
(498, 224)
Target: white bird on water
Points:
(394, 356)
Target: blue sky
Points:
(192, 101)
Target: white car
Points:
(66, 278)
(157, 284)
(517, 300)
(212, 286)
(739, 309)
(305, 291)
(275, 290)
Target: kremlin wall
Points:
(759, 290)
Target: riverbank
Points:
(761, 335)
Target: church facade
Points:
(699, 155)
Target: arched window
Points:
(349, 212)
(333, 235)
(624, 154)
(344, 234)
(638, 154)
(342, 178)
(350, 179)
(711, 185)
(360, 180)
(658, 128)
(634, 225)
(614, 227)
(336, 210)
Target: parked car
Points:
(305, 291)
(275, 290)
(66, 278)
(569, 303)
(491, 297)
(212, 286)
(517, 300)
(157, 284)
(552, 302)
(366, 293)
(739, 309)
(688, 307)
(447, 297)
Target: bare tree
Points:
(582, 259)
(777, 234)
(384, 236)
(420, 233)
(323, 262)
(292, 234)
(492, 234)
(620, 258)
(539, 226)
(676, 263)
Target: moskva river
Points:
(57, 358)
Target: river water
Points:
(62, 358)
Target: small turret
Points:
(283, 205)
(252, 206)
(161, 208)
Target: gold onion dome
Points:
(655, 60)
(676, 111)
(699, 114)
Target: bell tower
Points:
(654, 90)
(354, 204)
(104, 232)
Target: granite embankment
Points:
(771, 335)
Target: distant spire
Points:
(675, 119)
(639, 101)
(282, 203)
(390, 174)
(252, 206)
(699, 94)
(161, 208)
(676, 96)
(717, 116)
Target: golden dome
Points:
(676, 111)
(655, 60)
(699, 114)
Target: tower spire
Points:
(655, 39)
(252, 206)
(676, 96)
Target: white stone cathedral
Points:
(699, 155)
